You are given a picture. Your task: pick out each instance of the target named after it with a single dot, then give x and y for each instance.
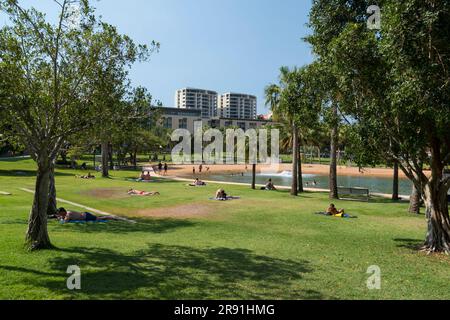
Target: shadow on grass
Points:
(28, 173)
(175, 272)
(305, 194)
(154, 180)
(14, 222)
(14, 159)
(411, 244)
(375, 199)
(142, 225)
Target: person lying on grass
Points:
(332, 211)
(67, 216)
(198, 183)
(89, 176)
(134, 192)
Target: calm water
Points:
(374, 184)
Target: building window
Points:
(241, 125)
(228, 124)
(167, 123)
(253, 125)
(182, 123)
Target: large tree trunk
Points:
(415, 201)
(395, 193)
(434, 194)
(300, 170)
(52, 204)
(295, 152)
(110, 155)
(135, 159)
(333, 153)
(436, 203)
(105, 159)
(254, 176)
(37, 234)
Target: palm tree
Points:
(295, 106)
(282, 115)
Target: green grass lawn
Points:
(264, 246)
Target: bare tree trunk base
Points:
(37, 237)
(36, 246)
(429, 250)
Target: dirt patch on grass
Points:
(109, 193)
(186, 211)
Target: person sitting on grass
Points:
(221, 195)
(198, 183)
(269, 186)
(332, 211)
(145, 176)
(67, 216)
(134, 192)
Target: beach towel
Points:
(144, 195)
(228, 198)
(196, 185)
(139, 180)
(345, 216)
(83, 221)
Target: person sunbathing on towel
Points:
(67, 216)
(145, 176)
(221, 195)
(88, 176)
(133, 192)
(332, 211)
(198, 183)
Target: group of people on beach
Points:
(200, 169)
(162, 169)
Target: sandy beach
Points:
(187, 170)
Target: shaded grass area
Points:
(264, 246)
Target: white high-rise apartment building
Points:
(237, 106)
(197, 99)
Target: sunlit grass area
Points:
(267, 245)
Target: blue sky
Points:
(222, 45)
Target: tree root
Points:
(435, 250)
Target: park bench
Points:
(354, 193)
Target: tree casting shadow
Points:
(411, 244)
(176, 272)
(119, 227)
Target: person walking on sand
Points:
(166, 167)
(160, 167)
